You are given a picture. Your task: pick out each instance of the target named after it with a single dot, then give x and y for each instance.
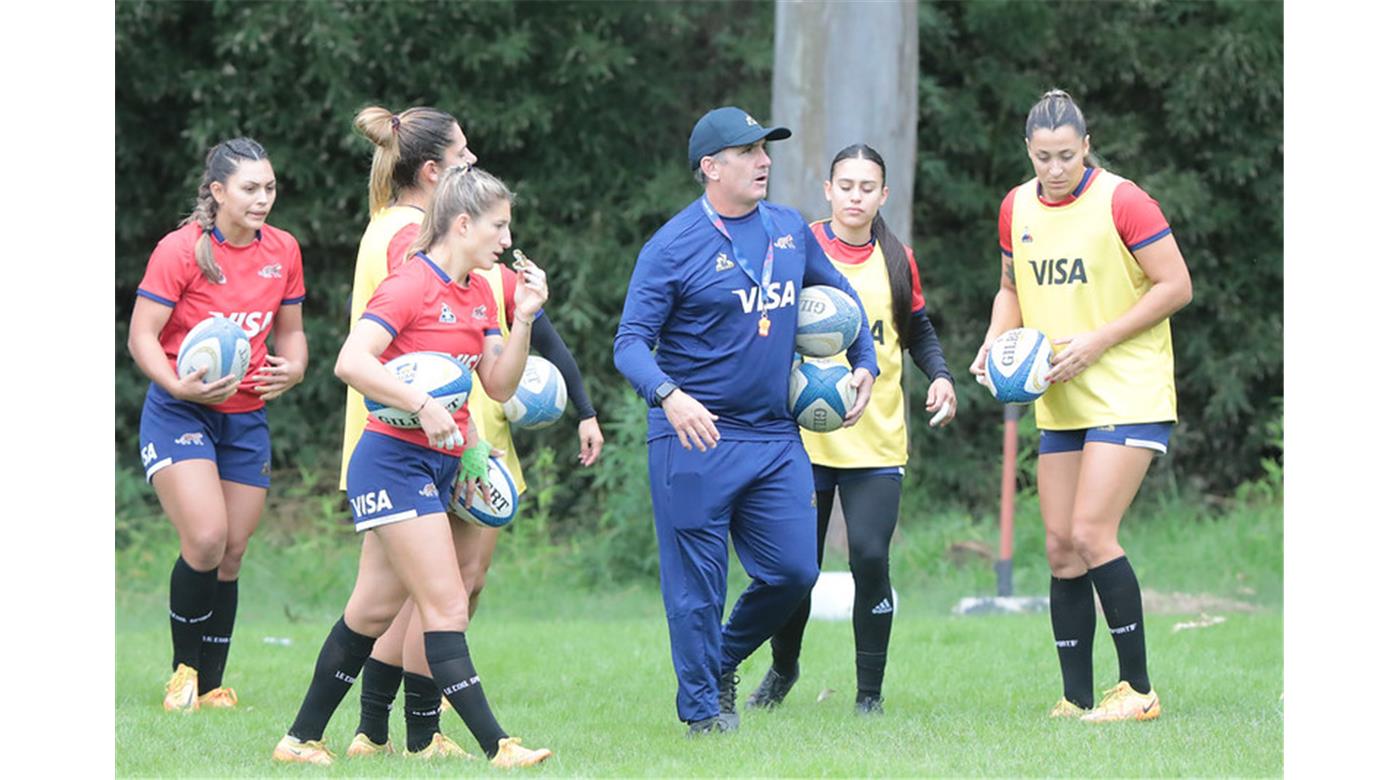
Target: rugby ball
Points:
(503, 501)
(539, 399)
(436, 373)
(820, 392)
(1017, 363)
(217, 344)
(827, 321)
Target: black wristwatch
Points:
(662, 390)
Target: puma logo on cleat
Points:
(1122, 629)
(883, 608)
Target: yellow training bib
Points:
(1074, 274)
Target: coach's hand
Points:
(590, 441)
(864, 381)
(193, 388)
(691, 420)
(940, 391)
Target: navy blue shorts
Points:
(174, 430)
(390, 480)
(826, 478)
(1149, 436)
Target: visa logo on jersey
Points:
(252, 323)
(779, 296)
(1062, 271)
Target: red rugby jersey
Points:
(842, 252)
(426, 311)
(259, 278)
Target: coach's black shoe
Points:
(774, 688)
(709, 726)
(870, 705)
(728, 694)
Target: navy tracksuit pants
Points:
(760, 494)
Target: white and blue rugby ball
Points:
(1017, 363)
(539, 400)
(436, 373)
(503, 500)
(827, 321)
(217, 344)
(820, 392)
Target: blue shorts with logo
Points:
(390, 480)
(173, 430)
(826, 478)
(1150, 436)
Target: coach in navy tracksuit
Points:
(715, 293)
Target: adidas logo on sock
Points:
(883, 608)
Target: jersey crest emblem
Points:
(785, 242)
(479, 313)
(1026, 236)
(723, 263)
(447, 315)
(271, 271)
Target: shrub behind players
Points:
(866, 460)
(205, 445)
(399, 481)
(1089, 260)
(413, 150)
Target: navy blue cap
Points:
(726, 127)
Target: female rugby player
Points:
(1089, 260)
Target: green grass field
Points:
(589, 675)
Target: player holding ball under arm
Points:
(1089, 260)
(205, 445)
(714, 292)
(400, 480)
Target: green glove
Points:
(474, 460)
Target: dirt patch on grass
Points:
(1191, 603)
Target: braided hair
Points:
(219, 165)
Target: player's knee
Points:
(445, 613)
(1059, 548)
(203, 549)
(869, 565)
(798, 578)
(1089, 540)
(233, 559)
(474, 580)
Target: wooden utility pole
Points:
(844, 73)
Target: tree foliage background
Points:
(585, 108)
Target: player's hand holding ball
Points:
(864, 381)
(979, 367)
(437, 423)
(942, 402)
(532, 290)
(193, 388)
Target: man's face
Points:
(740, 173)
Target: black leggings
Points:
(871, 507)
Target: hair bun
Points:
(1054, 93)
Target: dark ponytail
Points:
(896, 259)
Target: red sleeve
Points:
(917, 300)
(169, 271)
(1137, 216)
(508, 278)
(399, 244)
(296, 285)
(1004, 222)
(396, 301)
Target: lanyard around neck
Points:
(739, 259)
